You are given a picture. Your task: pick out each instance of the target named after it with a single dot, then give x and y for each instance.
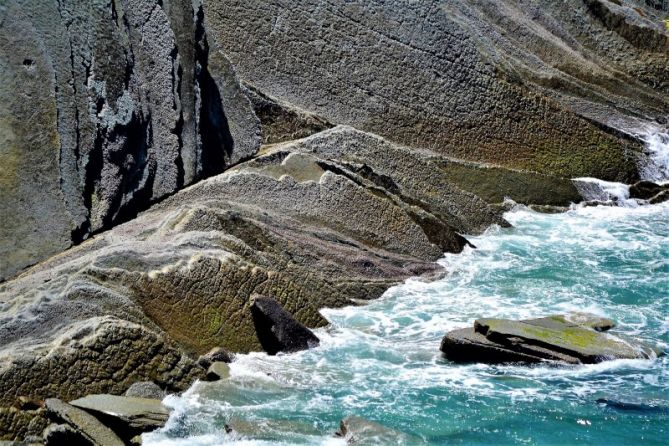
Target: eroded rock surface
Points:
(106, 107)
(320, 222)
(538, 85)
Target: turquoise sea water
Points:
(382, 361)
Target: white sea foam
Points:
(656, 165)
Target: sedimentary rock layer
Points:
(538, 84)
(339, 216)
(106, 107)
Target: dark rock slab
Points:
(83, 422)
(63, 434)
(128, 416)
(277, 330)
(568, 339)
(660, 198)
(645, 190)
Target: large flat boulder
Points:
(84, 423)
(577, 339)
(128, 416)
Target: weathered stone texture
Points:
(320, 222)
(527, 85)
(106, 107)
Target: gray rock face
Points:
(567, 339)
(277, 330)
(538, 85)
(341, 215)
(106, 107)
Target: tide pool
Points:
(381, 361)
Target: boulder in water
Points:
(277, 330)
(218, 371)
(360, 432)
(645, 190)
(567, 339)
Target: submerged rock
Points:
(128, 416)
(570, 339)
(361, 432)
(277, 330)
(83, 422)
(632, 406)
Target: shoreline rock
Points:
(277, 330)
(565, 339)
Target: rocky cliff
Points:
(106, 107)
(133, 129)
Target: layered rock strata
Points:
(106, 107)
(320, 222)
(537, 85)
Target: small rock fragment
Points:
(145, 389)
(216, 354)
(218, 371)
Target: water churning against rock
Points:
(382, 362)
(653, 166)
(656, 168)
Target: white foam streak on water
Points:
(594, 189)
(656, 168)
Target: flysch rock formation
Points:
(320, 222)
(106, 107)
(416, 119)
(537, 85)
